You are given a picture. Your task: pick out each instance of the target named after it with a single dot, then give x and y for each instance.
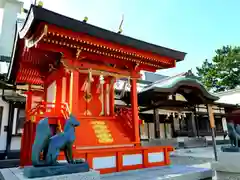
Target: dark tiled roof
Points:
(43, 15)
(153, 77)
(16, 98)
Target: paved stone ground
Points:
(201, 157)
(184, 160)
(174, 172)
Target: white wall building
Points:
(229, 97)
(11, 9)
(11, 114)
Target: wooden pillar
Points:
(74, 92)
(105, 97)
(193, 125)
(212, 125)
(156, 122)
(45, 93)
(68, 80)
(165, 129)
(26, 145)
(58, 95)
(134, 102)
(196, 120)
(112, 96)
(148, 131)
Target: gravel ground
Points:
(196, 160)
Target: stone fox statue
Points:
(51, 145)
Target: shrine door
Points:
(92, 103)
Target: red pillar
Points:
(68, 77)
(112, 96)
(134, 102)
(26, 140)
(58, 95)
(105, 100)
(74, 93)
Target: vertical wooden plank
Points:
(58, 95)
(211, 116)
(64, 89)
(105, 97)
(112, 94)
(119, 159)
(74, 92)
(212, 124)
(26, 136)
(68, 79)
(145, 158)
(156, 123)
(166, 156)
(134, 102)
(89, 159)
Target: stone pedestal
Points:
(228, 162)
(60, 169)
(17, 174)
(230, 149)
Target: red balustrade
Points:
(42, 110)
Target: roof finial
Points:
(40, 4)
(120, 26)
(85, 19)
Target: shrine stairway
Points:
(100, 132)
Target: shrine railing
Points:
(49, 109)
(43, 109)
(126, 114)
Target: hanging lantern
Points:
(179, 116)
(168, 115)
(184, 115)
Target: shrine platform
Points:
(111, 160)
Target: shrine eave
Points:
(188, 87)
(38, 14)
(192, 90)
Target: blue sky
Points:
(197, 27)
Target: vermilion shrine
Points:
(71, 66)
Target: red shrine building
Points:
(70, 66)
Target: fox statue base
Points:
(230, 149)
(59, 169)
(50, 145)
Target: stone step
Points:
(9, 163)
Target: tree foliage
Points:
(223, 72)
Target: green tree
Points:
(223, 72)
